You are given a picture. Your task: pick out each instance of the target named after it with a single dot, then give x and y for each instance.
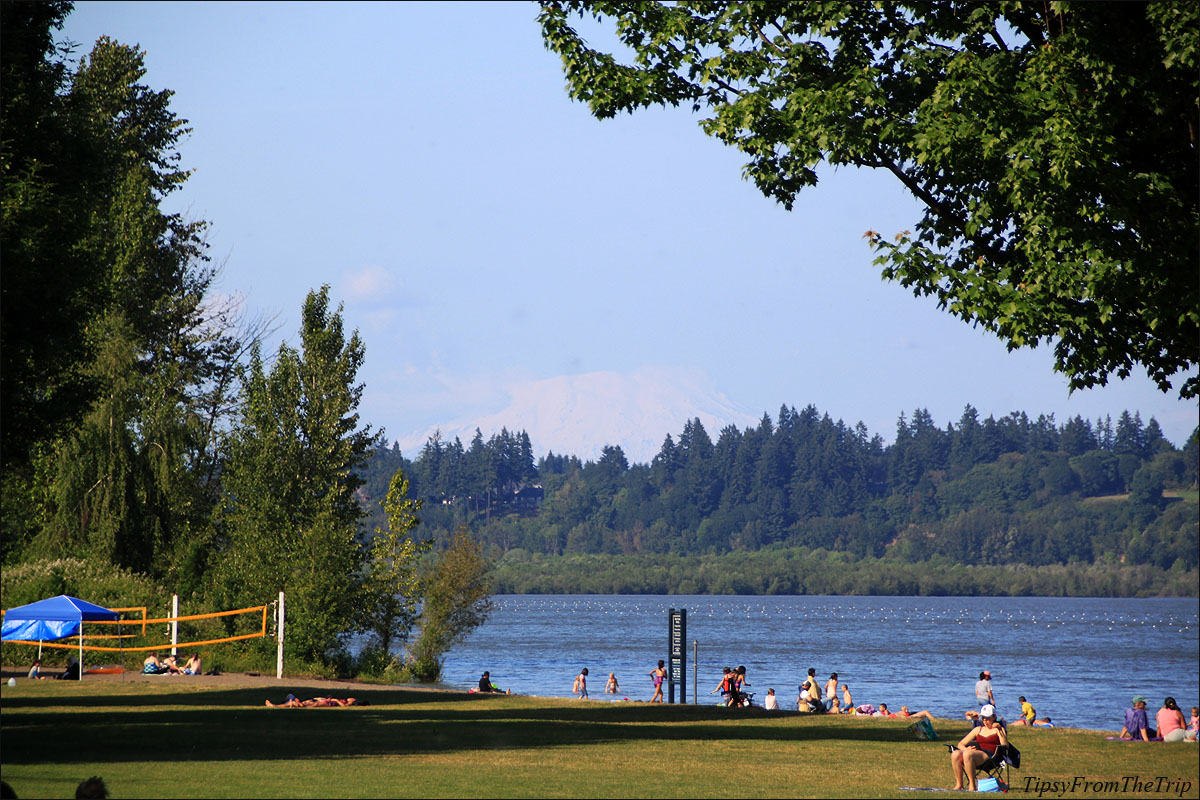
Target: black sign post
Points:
(677, 648)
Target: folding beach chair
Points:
(1006, 757)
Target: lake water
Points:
(1077, 660)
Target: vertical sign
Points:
(677, 650)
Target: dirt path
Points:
(232, 680)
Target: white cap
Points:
(988, 711)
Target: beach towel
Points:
(923, 730)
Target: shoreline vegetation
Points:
(799, 571)
(422, 743)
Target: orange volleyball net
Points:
(133, 632)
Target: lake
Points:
(1077, 660)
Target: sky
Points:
(485, 233)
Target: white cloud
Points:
(371, 285)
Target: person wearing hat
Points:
(1136, 726)
(975, 748)
(983, 690)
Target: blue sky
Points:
(484, 231)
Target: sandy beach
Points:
(232, 680)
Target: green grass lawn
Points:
(173, 740)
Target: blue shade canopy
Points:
(52, 618)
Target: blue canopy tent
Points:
(53, 618)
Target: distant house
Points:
(530, 496)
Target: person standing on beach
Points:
(983, 690)
(580, 687)
(658, 675)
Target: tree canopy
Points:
(116, 361)
(1053, 146)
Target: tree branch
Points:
(766, 41)
(726, 86)
(998, 40)
(936, 206)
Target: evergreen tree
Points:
(666, 463)
(1043, 435)
(966, 444)
(1153, 441)
(1128, 439)
(1077, 436)
(526, 469)
(1191, 457)
(480, 472)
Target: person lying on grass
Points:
(317, 702)
(904, 712)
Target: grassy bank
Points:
(187, 740)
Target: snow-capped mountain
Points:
(579, 414)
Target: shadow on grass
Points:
(254, 696)
(226, 730)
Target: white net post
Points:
(279, 634)
(175, 625)
(695, 667)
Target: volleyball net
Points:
(138, 633)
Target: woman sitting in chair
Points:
(977, 747)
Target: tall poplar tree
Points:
(291, 516)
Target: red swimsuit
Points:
(988, 743)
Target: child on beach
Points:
(580, 687)
(612, 687)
